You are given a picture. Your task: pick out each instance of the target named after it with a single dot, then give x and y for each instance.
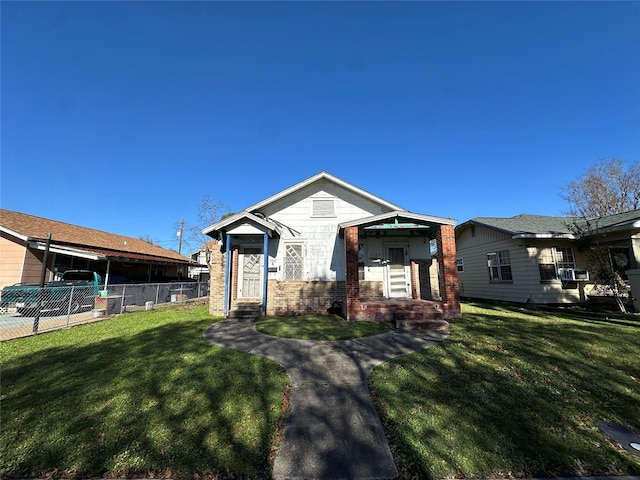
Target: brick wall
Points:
(216, 282)
(291, 297)
(371, 290)
(352, 286)
(446, 242)
(235, 258)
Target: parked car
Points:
(75, 291)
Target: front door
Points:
(250, 285)
(398, 279)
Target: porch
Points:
(403, 239)
(404, 313)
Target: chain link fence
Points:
(30, 309)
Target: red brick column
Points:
(446, 242)
(352, 284)
(235, 258)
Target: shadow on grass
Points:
(513, 393)
(161, 400)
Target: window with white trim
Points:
(293, 268)
(460, 265)
(323, 207)
(499, 264)
(550, 259)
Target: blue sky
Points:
(121, 116)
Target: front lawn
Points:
(510, 392)
(513, 392)
(141, 394)
(319, 327)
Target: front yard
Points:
(509, 392)
(141, 394)
(514, 392)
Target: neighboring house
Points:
(325, 243)
(202, 257)
(23, 241)
(535, 259)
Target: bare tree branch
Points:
(605, 189)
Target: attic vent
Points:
(324, 207)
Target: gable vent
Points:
(324, 207)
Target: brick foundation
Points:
(297, 297)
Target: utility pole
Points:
(180, 235)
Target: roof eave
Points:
(331, 178)
(221, 225)
(13, 233)
(565, 236)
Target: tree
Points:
(209, 212)
(605, 189)
(147, 238)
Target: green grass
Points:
(137, 394)
(319, 327)
(513, 392)
(509, 392)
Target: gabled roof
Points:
(630, 219)
(330, 178)
(524, 224)
(73, 238)
(540, 226)
(243, 217)
(400, 217)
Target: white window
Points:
(460, 265)
(551, 259)
(293, 261)
(323, 207)
(499, 264)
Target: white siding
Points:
(324, 249)
(526, 285)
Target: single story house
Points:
(326, 244)
(23, 240)
(535, 259)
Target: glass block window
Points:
(323, 207)
(499, 265)
(293, 261)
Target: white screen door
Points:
(251, 273)
(398, 278)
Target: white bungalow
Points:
(326, 244)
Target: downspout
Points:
(227, 270)
(265, 274)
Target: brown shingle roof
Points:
(110, 244)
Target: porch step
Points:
(407, 314)
(422, 325)
(428, 317)
(245, 311)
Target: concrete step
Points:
(245, 311)
(417, 315)
(426, 324)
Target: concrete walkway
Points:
(333, 430)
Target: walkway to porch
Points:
(404, 313)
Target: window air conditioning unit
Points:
(573, 274)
